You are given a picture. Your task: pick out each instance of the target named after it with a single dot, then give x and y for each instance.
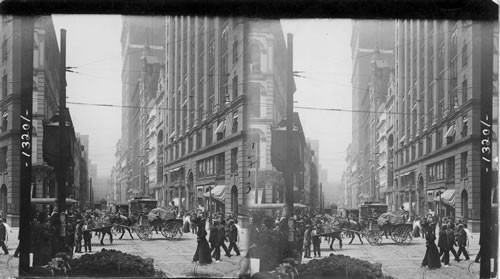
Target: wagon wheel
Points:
(177, 231)
(373, 238)
(408, 237)
(167, 230)
(143, 233)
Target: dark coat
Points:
(213, 234)
(233, 233)
(3, 232)
(431, 258)
(443, 240)
(451, 238)
(221, 234)
(202, 254)
(462, 238)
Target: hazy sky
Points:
(93, 45)
(321, 51)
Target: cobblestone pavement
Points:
(174, 257)
(404, 261)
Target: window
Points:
(450, 168)
(210, 134)
(429, 144)
(450, 134)
(235, 87)
(4, 86)
(234, 128)
(463, 165)
(4, 50)
(5, 121)
(465, 128)
(420, 149)
(3, 159)
(439, 139)
(220, 165)
(464, 91)
(235, 51)
(254, 101)
(198, 139)
(190, 144)
(254, 57)
(234, 160)
(464, 54)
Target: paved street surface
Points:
(9, 264)
(174, 257)
(404, 262)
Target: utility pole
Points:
(27, 28)
(61, 171)
(288, 175)
(91, 198)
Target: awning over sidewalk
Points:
(218, 193)
(447, 197)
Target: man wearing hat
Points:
(462, 242)
(307, 242)
(233, 237)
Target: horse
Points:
(100, 231)
(123, 223)
(335, 234)
(351, 228)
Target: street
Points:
(174, 257)
(404, 261)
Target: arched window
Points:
(254, 57)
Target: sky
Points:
(93, 46)
(321, 51)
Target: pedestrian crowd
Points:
(450, 235)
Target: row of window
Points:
(416, 150)
(180, 149)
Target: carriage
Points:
(392, 224)
(146, 217)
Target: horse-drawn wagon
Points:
(389, 224)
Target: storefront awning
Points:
(451, 132)
(218, 193)
(176, 169)
(402, 140)
(221, 128)
(447, 197)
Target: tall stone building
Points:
(138, 34)
(45, 103)
(372, 46)
(438, 91)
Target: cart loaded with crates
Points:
(389, 225)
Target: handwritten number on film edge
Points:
(25, 137)
(485, 142)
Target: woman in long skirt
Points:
(202, 254)
(431, 258)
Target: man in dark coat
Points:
(221, 237)
(212, 239)
(450, 233)
(233, 237)
(462, 242)
(3, 234)
(443, 245)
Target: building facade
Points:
(372, 45)
(438, 92)
(204, 138)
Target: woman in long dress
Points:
(202, 254)
(431, 258)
